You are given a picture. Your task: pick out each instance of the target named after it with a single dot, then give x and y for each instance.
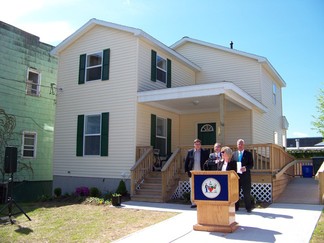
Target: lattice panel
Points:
(261, 191)
(183, 187)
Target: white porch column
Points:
(221, 126)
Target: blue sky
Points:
(289, 33)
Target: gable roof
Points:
(265, 63)
(136, 32)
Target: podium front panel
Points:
(211, 187)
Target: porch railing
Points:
(268, 158)
(170, 173)
(142, 166)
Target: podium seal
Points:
(211, 188)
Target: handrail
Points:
(169, 173)
(268, 158)
(295, 164)
(320, 177)
(141, 167)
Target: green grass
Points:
(318, 234)
(86, 222)
(61, 222)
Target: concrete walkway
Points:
(280, 222)
(301, 190)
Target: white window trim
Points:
(274, 93)
(92, 134)
(23, 144)
(166, 131)
(28, 82)
(95, 66)
(166, 68)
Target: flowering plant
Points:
(82, 191)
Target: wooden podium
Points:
(215, 194)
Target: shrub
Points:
(94, 192)
(121, 188)
(82, 191)
(58, 192)
(186, 196)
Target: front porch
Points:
(273, 169)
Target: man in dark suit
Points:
(195, 160)
(244, 160)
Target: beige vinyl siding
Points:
(237, 125)
(180, 74)
(265, 125)
(219, 66)
(116, 96)
(143, 136)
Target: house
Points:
(304, 142)
(27, 109)
(123, 92)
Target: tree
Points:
(319, 121)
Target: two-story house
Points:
(27, 109)
(124, 91)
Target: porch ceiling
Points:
(200, 98)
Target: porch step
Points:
(151, 188)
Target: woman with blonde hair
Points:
(227, 163)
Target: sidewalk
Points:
(280, 222)
(277, 223)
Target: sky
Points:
(289, 33)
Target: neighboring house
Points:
(27, 110)
(304, 142)
(122, 90)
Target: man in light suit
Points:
(244, 160)
(195, 160)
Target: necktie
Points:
(240, 156)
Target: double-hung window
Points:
(94, 66)
(33, 82)
(92, 134)
(274, 93)
(29, 145)
(161, 69)
(161, 135)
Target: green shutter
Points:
(105, 64)
(169, 136)
(82, 64)
(80, 127)
(104, 133)
(153, 66)
(153, 130)
(168, 73)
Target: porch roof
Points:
(200, 98)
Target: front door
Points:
(207, 133)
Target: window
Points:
(161, 70)
(33, 82)
(274, 93)
(94, 66)
(161, 135)
(92, 134)
(29, 145)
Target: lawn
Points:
(64, 222)
(86, 222)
